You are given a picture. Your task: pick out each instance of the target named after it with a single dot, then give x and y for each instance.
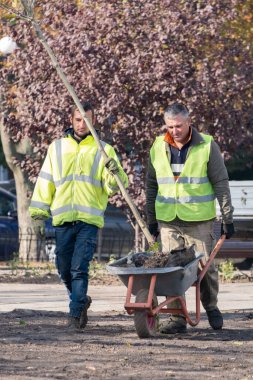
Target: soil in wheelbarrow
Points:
(36, 345)
(174, 258)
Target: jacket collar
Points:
(196, 137)
(70, 132)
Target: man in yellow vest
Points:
(73, 186)
(186, 174)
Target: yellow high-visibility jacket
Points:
(191, 197)
(74, 183)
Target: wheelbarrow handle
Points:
(211, 257)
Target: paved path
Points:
(52, 297)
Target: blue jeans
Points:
(75, 246)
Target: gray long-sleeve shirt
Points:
(216, 172)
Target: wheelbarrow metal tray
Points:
(171, 281)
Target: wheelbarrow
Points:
(149, 283)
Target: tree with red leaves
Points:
(130, 59)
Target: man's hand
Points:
(112, 166)
(153, 229)
(39, 217)
(227, 229)
(39, 225)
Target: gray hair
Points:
(176, 109)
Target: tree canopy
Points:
(131, 59)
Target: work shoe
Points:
(174, 326)
(73, 323)
(215, 318)
(84, 316)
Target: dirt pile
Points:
(174, 258)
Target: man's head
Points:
(79, 125)
(177, 119)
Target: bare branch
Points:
(28, 6)
(14, 11)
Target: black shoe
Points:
(215, 318)
(73, 323)
(174, 326)
(84, 316)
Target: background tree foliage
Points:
(131, 58)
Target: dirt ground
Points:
(37, 345)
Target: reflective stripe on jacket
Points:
(73, 183)
(191, 197)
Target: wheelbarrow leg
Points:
(131, 306)
(164, 309)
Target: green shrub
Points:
(227, 270)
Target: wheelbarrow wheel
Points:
(146, 325)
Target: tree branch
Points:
(28, 7)
(14, 11)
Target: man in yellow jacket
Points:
(73, 187)
(186, 174)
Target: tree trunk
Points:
(31, 233)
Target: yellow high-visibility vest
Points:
(191, 197)
(73, 183)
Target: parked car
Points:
(9, 185)
(8, 225)
(116, 238)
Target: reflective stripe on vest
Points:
(181, 200)
(58, 148)
(193, 180)
(47, 176)
(88, 210)
(63, 180)
(40, 205)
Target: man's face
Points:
(79, 125)
(178, 128)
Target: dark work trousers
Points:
(75, 246)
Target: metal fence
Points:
(117, 244)
(42, 248)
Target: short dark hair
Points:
(87, 106)
(175, 109)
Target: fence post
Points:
(137, 233)
(143, 242)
